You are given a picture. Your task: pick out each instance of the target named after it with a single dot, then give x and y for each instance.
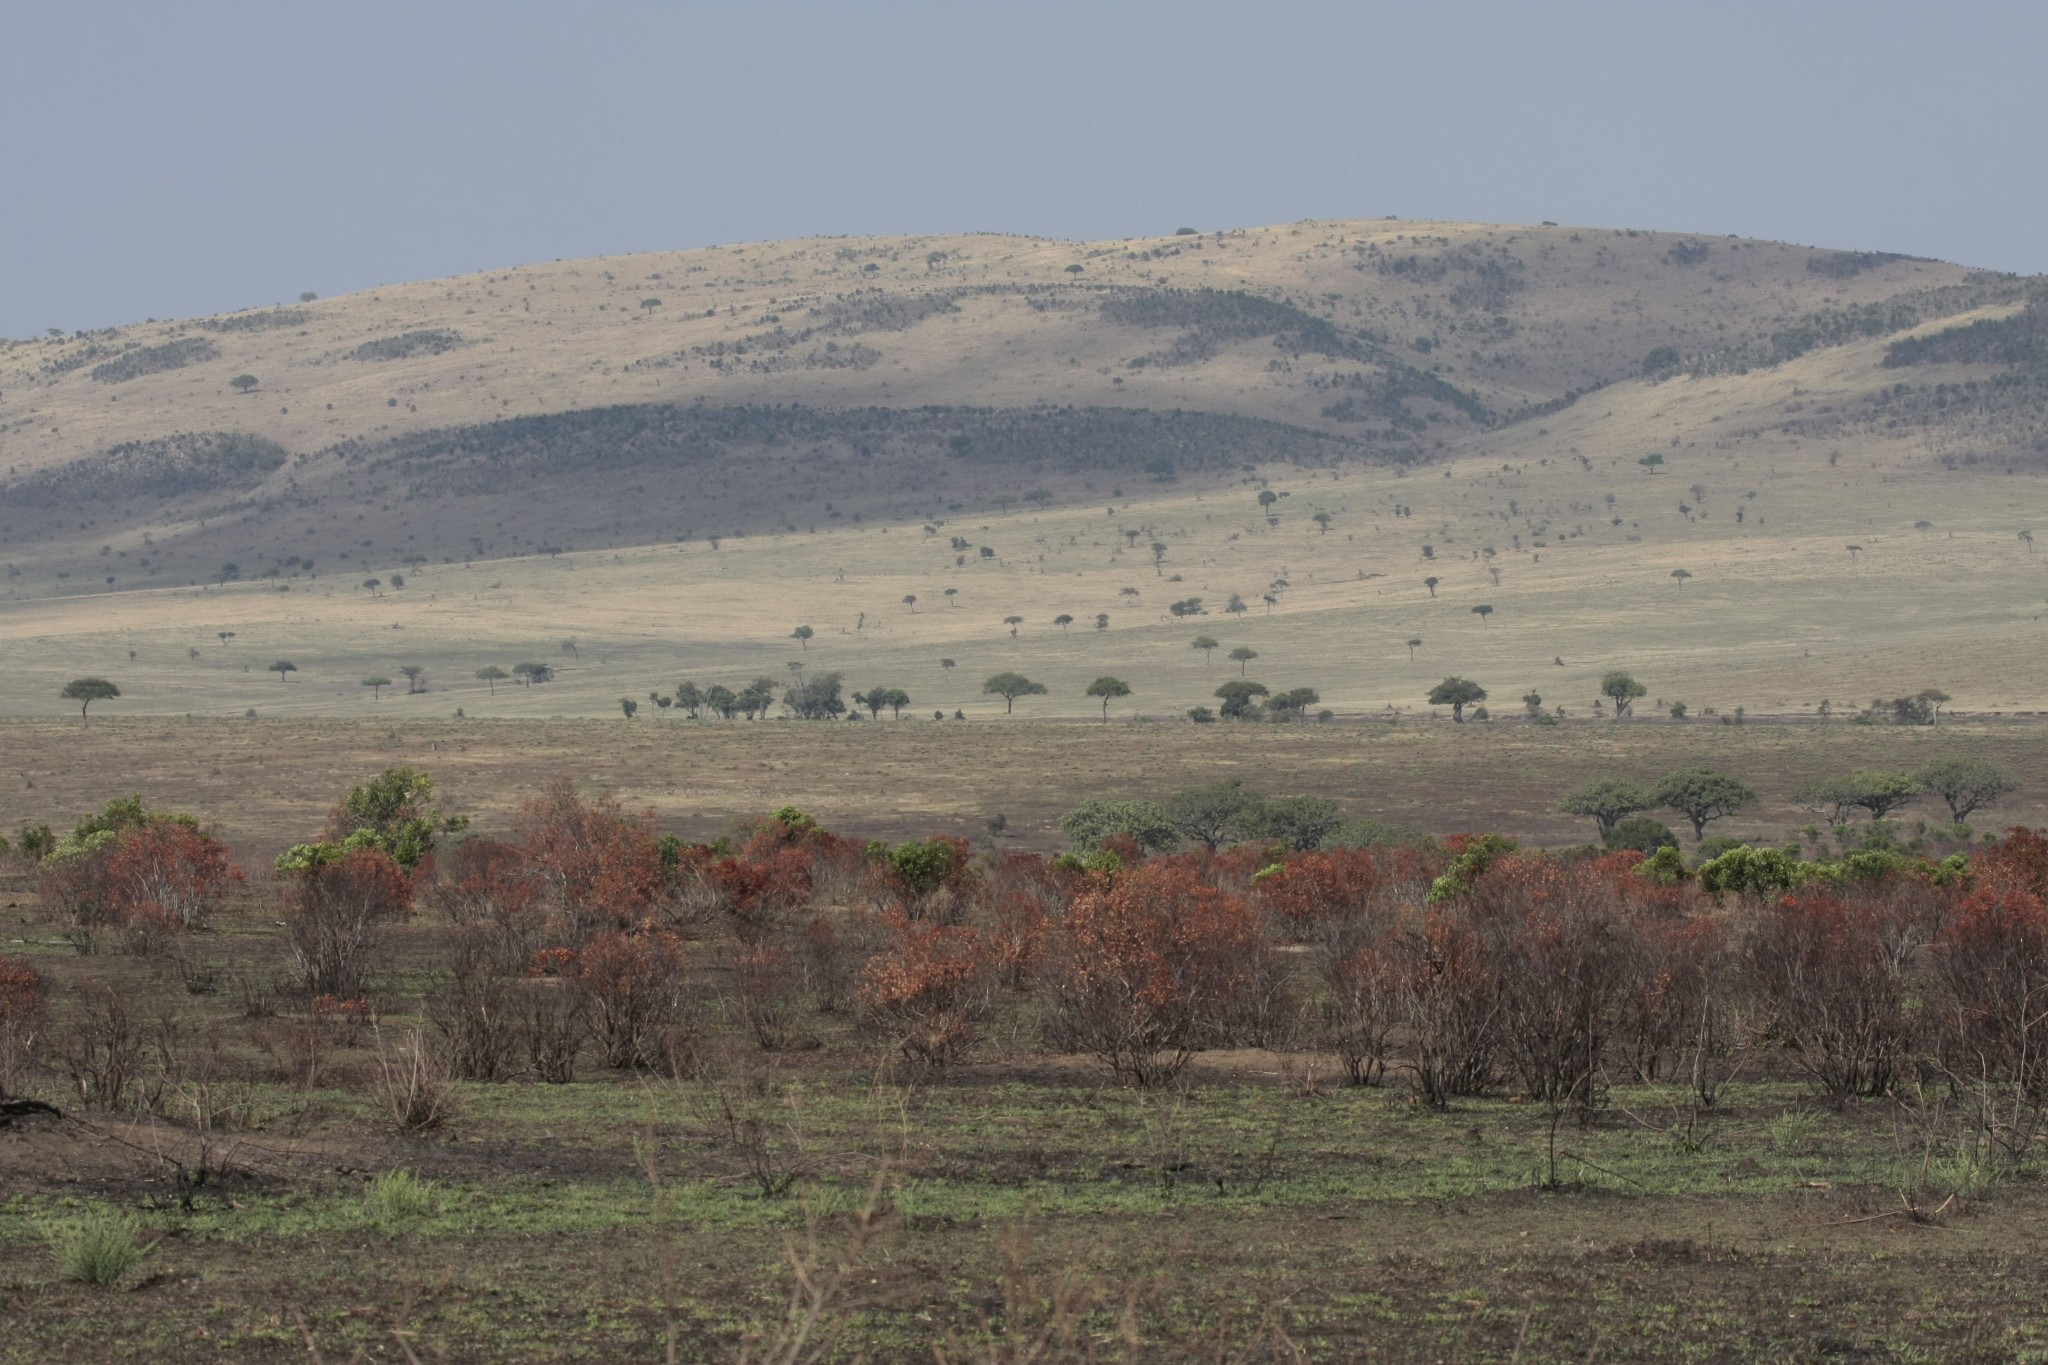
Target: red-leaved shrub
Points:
(334, 917)
(1145, 971)
(1993, 969)
(1833, 970)
(166, 877)
(591, 866)
(929, 988)
(639, 1005)
(1450, 1001)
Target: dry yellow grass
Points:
(1776, 616)
(269, 783)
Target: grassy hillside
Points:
(1641, 450)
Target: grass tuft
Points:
(99, 1246)
(399, 1197)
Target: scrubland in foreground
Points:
(568, 1089)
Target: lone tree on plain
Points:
(910, 600)
(1609, 801)
(225, 636)
(1681, 575)
(1207, 644)
(1966, 784)
(242, 383)
(1482, 611)
(86, 691)
(282, 667)
(1013, 622)
(1109, 689)
(1623, 689)
(1456, 693)
(952, 593)
(802, 635)
(1010, 686)
(491, 674)
(1267, 497)
(1158, 557)
(376, 682)
(1243, 655)
(1413, 645)
(629, 706)
(1063, 621)
(1702, 795)
(415, 679)
(1431, 583)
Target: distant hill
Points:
(771, 387)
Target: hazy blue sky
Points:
(168, 159)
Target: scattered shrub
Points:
(639, 1008)
(1143, 972)
(928, 989)
(336, 908)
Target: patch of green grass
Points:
(98, 1246)
(400, 1199)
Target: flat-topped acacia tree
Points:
(1108, 689)
(1010, 686)
(1456, 693)
(86, 691)
(1623, 689)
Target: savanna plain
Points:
(1345, 791)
